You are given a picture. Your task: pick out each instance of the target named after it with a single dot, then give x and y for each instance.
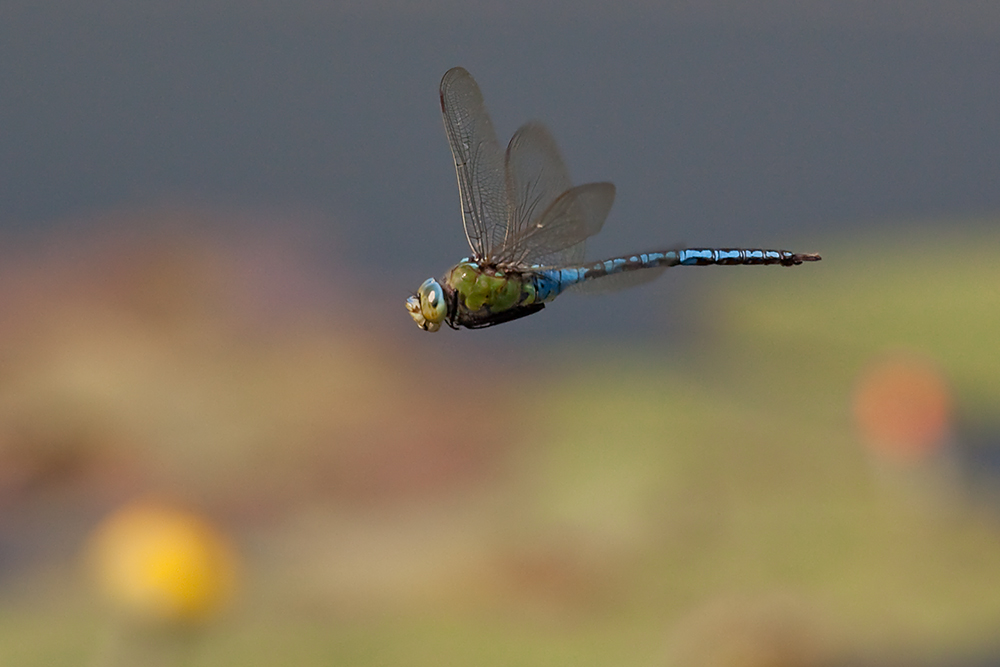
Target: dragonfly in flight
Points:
(527, 226)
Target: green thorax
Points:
(488, 287)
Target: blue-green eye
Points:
(432, 304)
(428, 307)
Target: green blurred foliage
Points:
(701, 505)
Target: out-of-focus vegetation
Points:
(664, 505)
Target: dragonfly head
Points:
(428, 307)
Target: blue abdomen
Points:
(549, 283)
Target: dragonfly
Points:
(527, 226)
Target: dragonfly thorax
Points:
(482, 287)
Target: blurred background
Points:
(223, 441)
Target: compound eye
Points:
(432, 303)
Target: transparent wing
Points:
(479, 162)
(556, 237)
(536, 176)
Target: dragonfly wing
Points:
(536, 176)
(479, 162)
(557, 236)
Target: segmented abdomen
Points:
(549, 283)
(726, 256)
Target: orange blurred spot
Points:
(902, 407)
(158, 563)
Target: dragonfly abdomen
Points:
(551, 282)
(730, 256)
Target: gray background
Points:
(763, 124)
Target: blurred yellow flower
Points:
(162, 564)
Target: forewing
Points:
(478, 162)
(536, 176)
(557, 236)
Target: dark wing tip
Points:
(451, 75)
